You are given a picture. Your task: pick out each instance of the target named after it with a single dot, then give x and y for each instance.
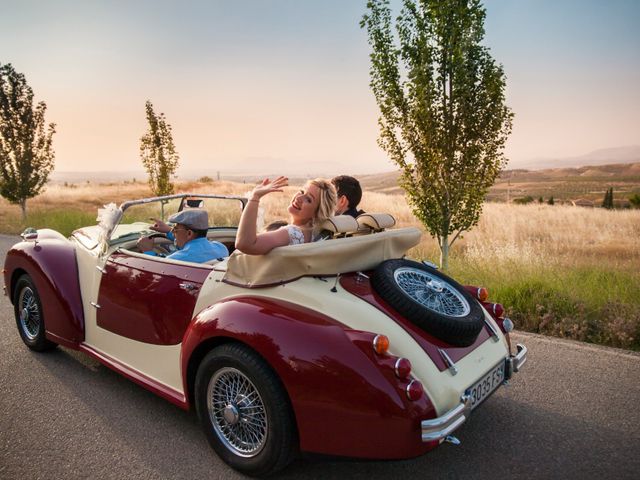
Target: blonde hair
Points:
(327, 203)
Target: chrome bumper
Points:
(440, 427)
(515, 362)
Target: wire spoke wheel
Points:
(244, 410)
(237, 412)
(432, 292)
(29, 313)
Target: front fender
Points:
(346, 400)
(51, 263)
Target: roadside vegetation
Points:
(565, 271)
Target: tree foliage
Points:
(607, 202)
(26, 152)
(443, 118)
(635, 201)
(158, 153)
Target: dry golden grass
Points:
(565, 271)
(535, 234)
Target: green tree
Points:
(635, 201)
(607, 202)
(551, 201)
(158, 153)
(443, 118)
(26, 152)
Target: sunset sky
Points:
(282, 86)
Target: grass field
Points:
(559, 270)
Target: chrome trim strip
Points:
(94, 304)
(494, 332)
(450, 363)
(438, 428)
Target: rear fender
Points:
(344, 400)
(51, 263)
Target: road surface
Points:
(573, 412)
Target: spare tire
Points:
(431, 300)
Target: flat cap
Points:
(193, 218)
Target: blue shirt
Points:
(198, 250)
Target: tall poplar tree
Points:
(443, 118)
(608, 199)
(26, 151)
(158, 153)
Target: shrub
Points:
(523, 200)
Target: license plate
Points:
(486, 385)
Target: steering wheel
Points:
(161, 248)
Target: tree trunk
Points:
(23, 207)
(444, 252)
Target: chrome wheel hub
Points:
(237, 412)
(231, 414)
(431, 292)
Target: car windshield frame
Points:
(182, 196)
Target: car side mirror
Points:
(195, 203)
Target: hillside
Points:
(564, 184)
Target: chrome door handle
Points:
(188, 286)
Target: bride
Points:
(308, 209)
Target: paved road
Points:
(573, 412)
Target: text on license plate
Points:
(487, 384)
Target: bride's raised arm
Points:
(248, 240)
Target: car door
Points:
(148, 299)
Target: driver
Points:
(189, 234)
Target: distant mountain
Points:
(630, 154)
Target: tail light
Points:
(381, 344)
(497, 310)
(414, 390)
(402, 368)
(481, 293)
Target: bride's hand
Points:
(268, 186)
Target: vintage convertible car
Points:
(340, 347)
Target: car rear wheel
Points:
(29, 316)
(244, 411)
(430, 299)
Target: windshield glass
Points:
(137, 219)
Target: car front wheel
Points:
(244, 411)
(29, 315)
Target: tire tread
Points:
(457, 331)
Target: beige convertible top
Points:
(323, 258)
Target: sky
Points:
(283, 85)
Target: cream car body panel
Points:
(443, 388)
(158, 362)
